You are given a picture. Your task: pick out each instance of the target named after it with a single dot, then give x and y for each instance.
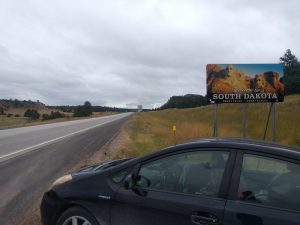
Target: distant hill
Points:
(8, 104)
(185, 101)
(68, 108)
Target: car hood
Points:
(100, 166)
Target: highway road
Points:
(31, 158)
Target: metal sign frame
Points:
(272, 112)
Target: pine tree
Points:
(291, 68)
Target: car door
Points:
(177, 189)
(265, 191)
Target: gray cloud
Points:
(121, 52)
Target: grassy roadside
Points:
(13, 122)
(149, 131)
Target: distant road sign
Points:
(140, 108)
(244, 83)
(174, 128)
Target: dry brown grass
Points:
(149, 131)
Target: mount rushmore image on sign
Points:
(244, 83)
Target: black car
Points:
(205, 182)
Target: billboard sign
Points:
(244, 83)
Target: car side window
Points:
(270, 182)
(198, 173)
(119, 176)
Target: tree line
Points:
(84, 110)
(79, 111)
(32, 113)
(68, 108)
(186, 101)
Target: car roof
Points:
(232, 143)
(225, 143)
(245, 142)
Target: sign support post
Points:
(267, 124)
(216, 121)
(244, 119)
(273, 122)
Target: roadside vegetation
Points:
(53, 115)
(19, 113)
(150, 131)
(20, 121)
(83, 110)
(28, 113)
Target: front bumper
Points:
(49, 208)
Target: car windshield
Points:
(110, 164)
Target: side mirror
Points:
(128, 182)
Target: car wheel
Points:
(76, 216)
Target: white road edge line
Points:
(17, 152)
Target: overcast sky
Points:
(115, 52)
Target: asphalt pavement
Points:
(19, 140)
(33, 157)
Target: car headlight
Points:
(61, 180)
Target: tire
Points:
(76, 214)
